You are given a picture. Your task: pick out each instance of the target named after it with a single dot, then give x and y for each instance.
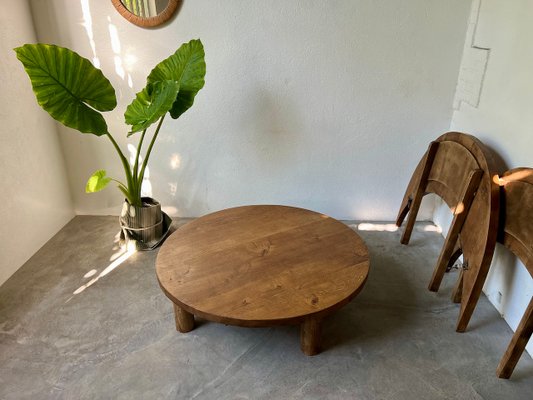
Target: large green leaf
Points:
(68, 86)
(97, 181)
(187, 67)
(150, 104)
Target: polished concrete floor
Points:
(80, 320)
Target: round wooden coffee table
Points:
(262, 266)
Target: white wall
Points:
(36, 200)
(495, 102)
(326, 105)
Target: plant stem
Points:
(136, 182)
(127, 169)
(126, 193)
(136, 166)
(147, 156)
(117, 181)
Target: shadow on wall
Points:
(499, 162)
(45, 14)
(502, 270)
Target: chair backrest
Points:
(517, 214)
(461, 170)
(444, 170)
(516, 233)
(452, 165)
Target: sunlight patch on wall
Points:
(514, 176)
(118, 67)
(459, 208)
(146, 186)
(432, 228)
(133, 153)
(173, 187)
(366, 226)
(130, 60)
(115, 46)
(88, 25)
(117, 50)
(115, 42)
(175, 161)
(172, 211)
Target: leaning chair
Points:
(517, 236)
(461, 170)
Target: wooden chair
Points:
(517, 236)
(458, 168)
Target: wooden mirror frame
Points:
(147, 22)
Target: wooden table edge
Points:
(310, 323)
(262, 323)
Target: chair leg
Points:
(517, 345)
(444, 258)
(461, 212)
(457, 293)
(411, 219)
(419, 192)
(457, 252)
(458, 289)
(475, 276)
(404, 209)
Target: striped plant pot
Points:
(143, 224)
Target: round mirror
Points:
(146, 13)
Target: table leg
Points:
(310, 336)
(184, 319)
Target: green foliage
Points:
(151, 103)
(68, 86)
(97, 181)
(187, 67)
(73, 92)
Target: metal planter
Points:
(146, 225)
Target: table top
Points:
(262, 265)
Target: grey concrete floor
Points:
(72, 328)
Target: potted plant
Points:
(74, 92)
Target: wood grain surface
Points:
(262, 266)
(462, 172)
(517, 236)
